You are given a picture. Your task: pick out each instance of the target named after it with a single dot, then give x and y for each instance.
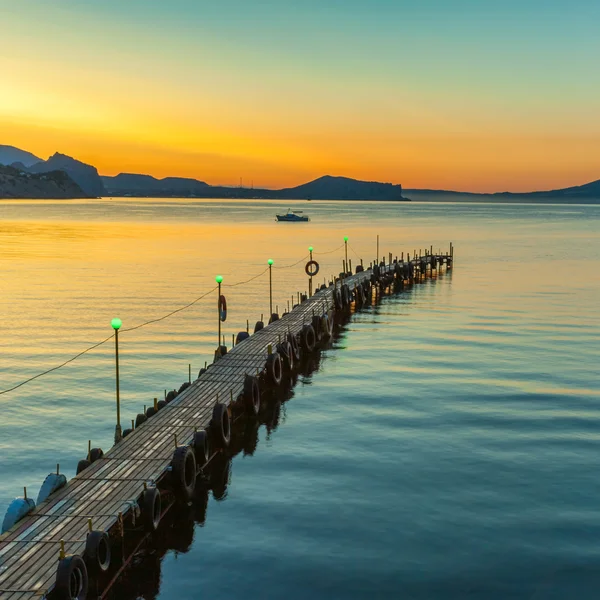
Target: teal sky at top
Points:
(531, 45)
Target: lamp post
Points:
(116, 325)
(219, 280)
(270, 262)
(346, 249)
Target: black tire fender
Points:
(241, 336)
(221, 424)
(95, 454)
(287, 354)
(97, 552)
(151, 509)
(71, 579)
(259, 325)
(201, 444)
(140, 419)
(82, 465)
(274, 368)
(317, 326)
(183, 465)
(308, 338)
(251, 395)
(337, 299)
(293, 340)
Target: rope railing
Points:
(57, 367)
(152, 321)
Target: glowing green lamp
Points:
(310, 248)
(270, 261)
(116, 324)
(219, 278)
(345, 238)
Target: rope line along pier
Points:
(77, 542)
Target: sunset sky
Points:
(457, 94)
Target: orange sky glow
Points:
(169, 102)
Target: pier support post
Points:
(270, 262)
(310, 286)
(116, 325)
(219, 280)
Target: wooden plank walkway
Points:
(111, 487)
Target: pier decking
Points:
(107, 495)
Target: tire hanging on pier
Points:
(221, 425)
(317, 326)
(337, 299)
(151, 509)
(345, 296)
(183, 465)
(97, 552)
(274, 368)
(71, 579)
(241, 336)
(308, 338)
(82, 465)
(327, 325)
(287, 354)
(293, 340)
(251, 395)
(201, 445)
(259, 325)
(95, 454)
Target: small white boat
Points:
(292, 216)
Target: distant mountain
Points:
(10, 155)
(134, 184)
(324, 188)
(343, 188)
(15, 183)
(84, 175)
(588, 193)
(588, 190)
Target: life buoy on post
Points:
(222, 308)
(312, 268)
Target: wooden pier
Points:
(77, 543)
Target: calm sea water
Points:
(447, 446)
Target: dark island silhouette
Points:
(85, 178)
(323, 188)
